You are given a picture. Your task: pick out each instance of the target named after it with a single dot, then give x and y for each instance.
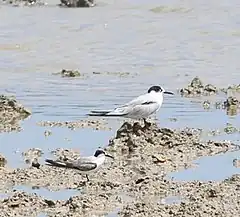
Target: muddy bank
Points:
(11, 112)
(191, 199)
(133, 184)
(62, 3)
(99, 124)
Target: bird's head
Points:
(100, 152)
(159, 90)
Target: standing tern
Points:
(140, 107)
(84, 165)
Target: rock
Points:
(78, 3)
(3, 161)
(11, 113)
(32, 155)
(196, 88)
(233, 88)
(206, 104)
(230, 102)
(229, 129)
(236, 163)
(70, 73)
(47, 133)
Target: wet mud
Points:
(20, 3)
(133, 184)
(68, 73)
(197, 88)
(99, 124)
(11, 112)
(38, 3)
(77, 3)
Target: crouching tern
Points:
(84, 165)
(139, 108)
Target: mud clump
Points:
(87, 123)
(77, 3)
(68, 73)
(231, 105)
(22, 204)
(236, 163)
(11, 113)
(197, 88)
(32, 156)
(233, 89)
(24, 2)
(3, 161)
(179, 146)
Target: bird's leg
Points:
(146, 124)
(87, 178)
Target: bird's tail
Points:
(100, 112)
(57, 163)
(104, 114)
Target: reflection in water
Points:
(214, 168)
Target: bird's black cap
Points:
(155, 88)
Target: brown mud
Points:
(11, 112)
(133, 184)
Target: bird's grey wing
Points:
(137, 101)
(143, 110)
(80, 164)
(136, 105)
(83, 163)
(87, 166)
(126, 108)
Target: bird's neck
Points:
(100, 159)
(158, 97)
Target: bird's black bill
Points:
(168, 92)
(110, 156)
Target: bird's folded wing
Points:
(74, 164)
(139, 100)
(87, 166)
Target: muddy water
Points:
(166, 43)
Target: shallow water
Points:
(45, 193)
(166, 43)
(172, 200)
(214, 168)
